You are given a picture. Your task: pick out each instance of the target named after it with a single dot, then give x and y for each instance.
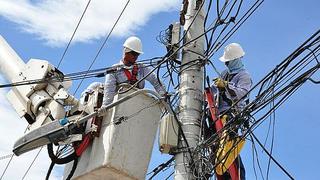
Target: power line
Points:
(11, 156)
(167, 56)
(211, 29)
(284, 71)
(255, 152)
(271, 157)
(103, 44)
(159, 168)
(5, 170)
(74, 32)
(273, 120)
(169, 175)
(243, 19)
(253, 160)
(91, 75)
(76, 75)
(34, 159)
(280, 69)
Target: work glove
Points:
(221, 84)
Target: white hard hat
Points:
(133, 43)
(231, 52)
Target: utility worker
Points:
(90, 89)
(130, 72)
(234, 83)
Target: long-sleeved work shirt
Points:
(238, 86)
(114, 79)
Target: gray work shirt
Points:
(239, 85)
(114, 79)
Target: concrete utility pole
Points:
(191, 90)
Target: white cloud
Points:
(55, 20)
(12, 128)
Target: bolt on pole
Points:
(191, 86)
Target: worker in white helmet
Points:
(233, 85)
(235, 81)
(130, 72)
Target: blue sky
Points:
(270, 35)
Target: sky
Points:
(41, 30)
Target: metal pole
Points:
(191, 90)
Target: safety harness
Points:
(132, 76)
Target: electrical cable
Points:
(55, 159)
(5, 170)
(34, 159)
(160, 168)
(314, 81)
(282, 65)
(74, 32)
(289, 92)
(271, 157)
(169, 175)
(257, 157)
(167, 62)
(68, 77)
(50, 170)
(268, 131)
(297, 83)
(272, 119)
(180, 39)
(103, 44)
(253, 159)
(247, 131)
(89, 67)
(237, 25)
(217, 22)
(168, 55)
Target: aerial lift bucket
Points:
(123, 149)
